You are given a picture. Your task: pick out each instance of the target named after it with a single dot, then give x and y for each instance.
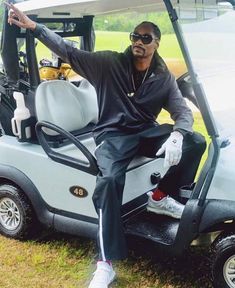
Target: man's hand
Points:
(17, 17)
(172, 148)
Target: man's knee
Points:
(110, 181)
(113, 178)
(196, 141)
(109, 187)
(199, 141)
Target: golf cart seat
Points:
(56, 100)
(66, 114)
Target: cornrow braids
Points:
(155, 28)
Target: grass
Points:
(61, 261)
(119, 41)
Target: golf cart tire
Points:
(21, 224)
(223, 253)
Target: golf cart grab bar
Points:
(89, 167)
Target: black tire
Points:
(17, 218)
(223, 260)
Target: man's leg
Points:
(113, 157)
(182, 174)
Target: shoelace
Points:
(172, 204)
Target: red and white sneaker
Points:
(167, 206)
(103, 276)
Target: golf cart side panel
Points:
(223, 183)
(83, 226)
(218, 214)
(12, 174)
(63, 223)
(54, 180)
(138, 177)
(55, 191)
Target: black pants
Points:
(114, 154)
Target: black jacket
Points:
(110, 73)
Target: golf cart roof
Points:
(78, 8)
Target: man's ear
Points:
(157, 43)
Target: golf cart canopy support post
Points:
(202, 104)
(9, 51)
(34, 78)
(200, 95)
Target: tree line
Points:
(1, 14)
(126, 22)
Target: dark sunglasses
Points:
(146, 38)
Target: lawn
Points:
(61, 261)
(119, 41)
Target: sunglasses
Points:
(146, 38)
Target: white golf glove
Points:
(172, 148)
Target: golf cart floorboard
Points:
(158, 228)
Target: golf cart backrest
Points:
(62, 109)
(65, 105)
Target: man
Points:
(132, 88)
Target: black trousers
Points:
(113, 155)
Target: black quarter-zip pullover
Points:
(120, 107)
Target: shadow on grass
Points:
(192, 269)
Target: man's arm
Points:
(183, 118)
(87, 64)
(178, 109)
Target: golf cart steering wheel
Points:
(186, 88)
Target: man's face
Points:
(141, 50)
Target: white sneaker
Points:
(167, 206)
(103, 275)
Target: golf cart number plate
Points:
(78, 191)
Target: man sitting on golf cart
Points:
(132, 88)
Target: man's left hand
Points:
(172, 148)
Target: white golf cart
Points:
(49, 176)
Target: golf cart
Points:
(48, 169)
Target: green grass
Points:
(119, 41)
(59, 261)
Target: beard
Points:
(138, 52)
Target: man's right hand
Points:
(17, 17)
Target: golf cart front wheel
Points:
(16, 214)
(223, 262)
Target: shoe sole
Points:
(113, 278)
(160, 212)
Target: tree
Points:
(1, 13)
(126, 23)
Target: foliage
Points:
(1, 13)
(127, 22)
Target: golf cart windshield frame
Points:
(205, 179)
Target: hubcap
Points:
(9, 214)
(229, 271)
